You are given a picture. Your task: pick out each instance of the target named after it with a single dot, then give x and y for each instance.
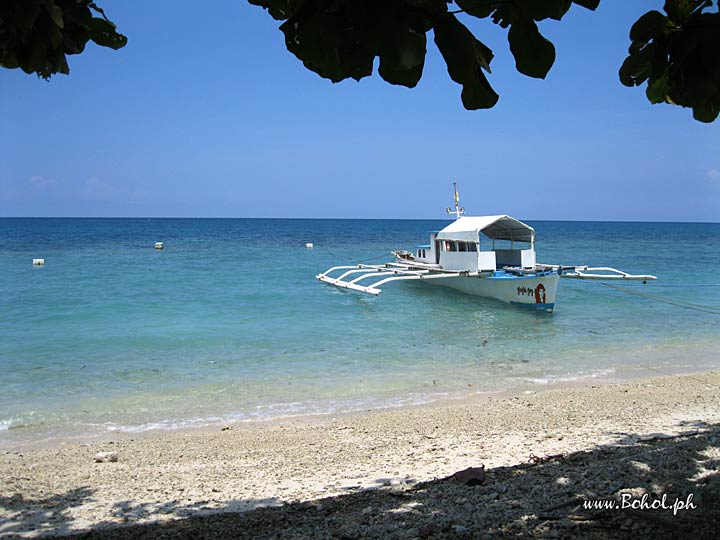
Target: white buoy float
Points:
(309, 245)
(159, 245)
(38, 262)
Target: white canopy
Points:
(467, 228)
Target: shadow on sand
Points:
(544, 499)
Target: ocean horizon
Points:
(434, 220)
(227, 323)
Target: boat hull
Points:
(531, 291)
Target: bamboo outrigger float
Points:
(454, 258)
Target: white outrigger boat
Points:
(457, 257)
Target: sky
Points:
(205, 114)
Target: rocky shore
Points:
(650, 447)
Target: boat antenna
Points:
(459, 211)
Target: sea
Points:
(228, 324)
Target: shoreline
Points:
(703, 354)
(171, 475)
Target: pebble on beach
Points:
(106, 457)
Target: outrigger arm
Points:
(588, 273)
(396, 271)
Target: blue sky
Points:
(204, 113)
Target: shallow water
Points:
(228, 323)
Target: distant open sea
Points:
(228, 323)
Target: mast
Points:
(459, 211)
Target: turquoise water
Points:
(227, 323)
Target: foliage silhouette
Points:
(676, 53)
(37, 35)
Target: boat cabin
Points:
(480, 244)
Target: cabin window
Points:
(471, 246)
(423, 253)
(461, 246)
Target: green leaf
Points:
(55, 13)
(327, 44)
(658, 59)
(479, 95)
(678, 10)
(657, 90)
(9, 60)
(477, 8)
(78, 14)
(338, 40)
(60, 62)
(483, 55)
(280, 10)
(534, 55)
(588, 4)
(465, 57)
(636, 68)
(649, 26)
(74, 42)
(402, 56)
(554, 9)
(103, 33)
(54, 36)
(705, 113)
(76, 34)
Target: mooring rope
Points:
(683, 285)
(678, 303)
(686, 305)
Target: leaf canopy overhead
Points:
(36, 35)
(339, 39)
(675, 53)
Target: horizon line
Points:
(354, 219)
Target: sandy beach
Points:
(384, 474)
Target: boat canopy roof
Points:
(496, 227)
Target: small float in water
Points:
(488, 256)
